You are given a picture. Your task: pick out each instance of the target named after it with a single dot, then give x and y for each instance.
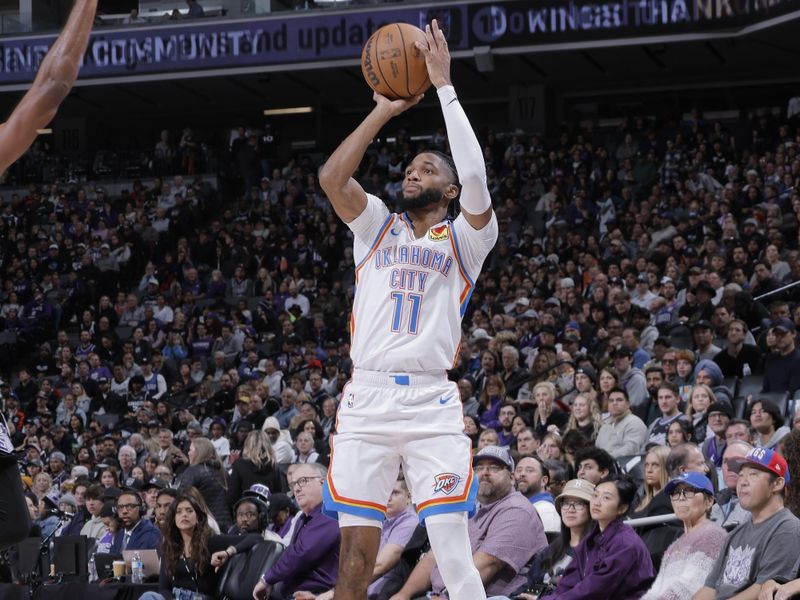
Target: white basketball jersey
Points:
(411, 293)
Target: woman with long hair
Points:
(109, 477)
(42, 484)
(700, 398)
(548, 566)
(257, 464)
(679, 432)
(490, 399)
(585, 417)
(607, 381)
(655, 478)
(205, 473)
(191, 552)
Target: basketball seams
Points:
(380, 68)
(405, 57)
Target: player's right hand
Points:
(396, 107)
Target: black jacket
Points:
(244, 474)
(209, 481)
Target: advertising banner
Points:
(313, 38)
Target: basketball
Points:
(392, 65)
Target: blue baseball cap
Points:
(764, 459)
(695, 480)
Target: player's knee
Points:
(355, 562)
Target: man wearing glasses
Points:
(311, 560)
(505, 533)
(136, 533)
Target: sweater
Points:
(687, 563)
(613, 563)
(622, 437)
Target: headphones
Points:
(258, 495)
(135, 494)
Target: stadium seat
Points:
(681, 338)
(750, 386)
(243, 571)
(739, 405)
(633, 465)
(123, 331)
(732, 383)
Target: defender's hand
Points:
(437, 56)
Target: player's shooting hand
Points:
(395, 107)
(437, 56)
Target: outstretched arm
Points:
(55, 78)
(475, 202)
(336, 176)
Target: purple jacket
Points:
(610, 564)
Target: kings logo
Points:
(445, 483)
(439, 233)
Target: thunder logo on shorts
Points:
(445, 483)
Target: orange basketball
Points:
(392, 65)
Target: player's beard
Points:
(422, 200)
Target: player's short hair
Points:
(451, 166)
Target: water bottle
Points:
(92, 569)
(136, 569)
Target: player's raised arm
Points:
(475, 202)
(336, 176)
(55, 78)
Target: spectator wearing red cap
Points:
(767, 546)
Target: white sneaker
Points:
(6, 446)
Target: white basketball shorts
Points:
(388, 420)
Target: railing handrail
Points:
(778, 291)
(647, 521)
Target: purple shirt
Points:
(311, 561)
(510, 530)
(613, 563)
(396, 530)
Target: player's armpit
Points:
(348, 200)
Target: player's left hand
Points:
(437, 56)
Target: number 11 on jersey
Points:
(399, 300)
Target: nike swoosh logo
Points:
(393, 232)
(444, 400)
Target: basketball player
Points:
(55, 78)
(415, 272)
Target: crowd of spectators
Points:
(632, 310)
